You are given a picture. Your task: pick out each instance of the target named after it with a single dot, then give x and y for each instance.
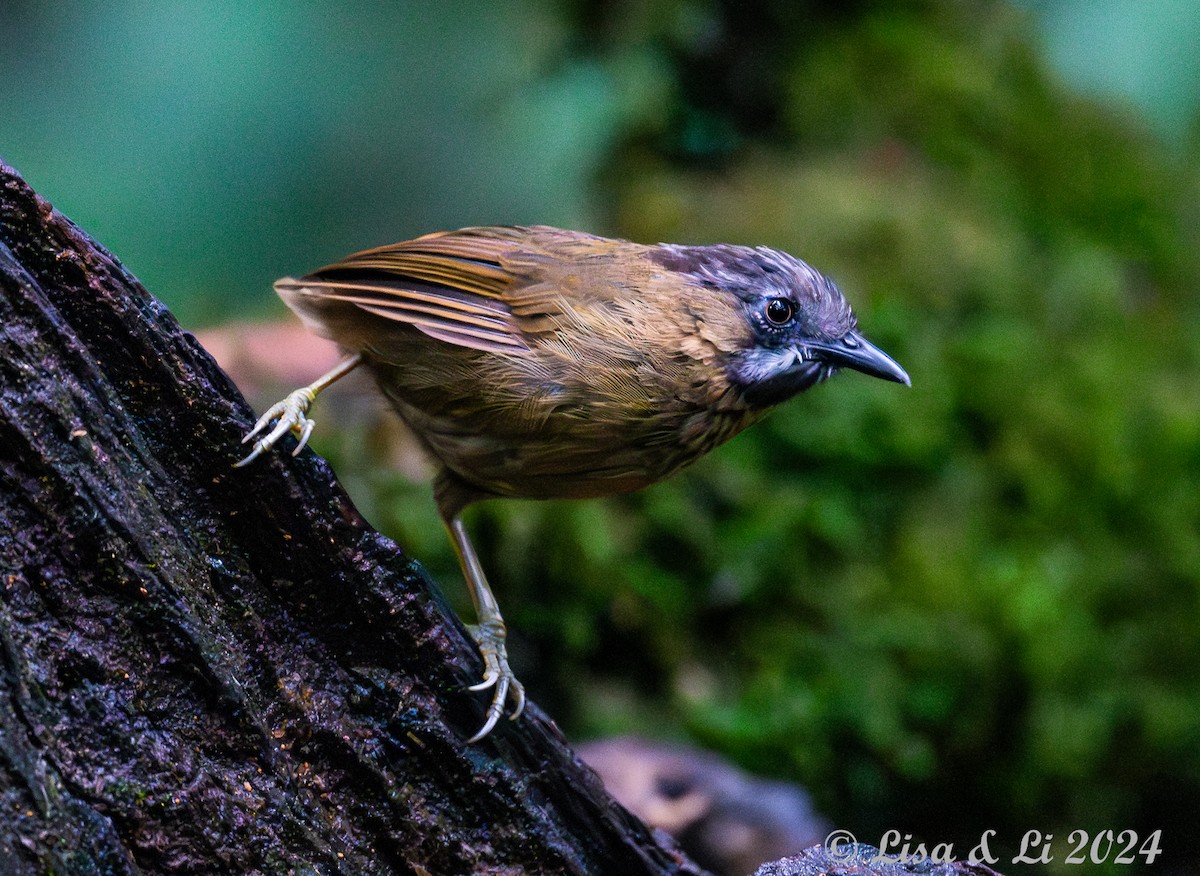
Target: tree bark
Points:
(210, 670)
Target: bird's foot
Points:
(490, 636)
(291, 414)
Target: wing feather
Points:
(453, 286)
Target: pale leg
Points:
(292, 410)
(489, 634)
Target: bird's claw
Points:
(291, 415)
(496, 674)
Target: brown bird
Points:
(540, 363)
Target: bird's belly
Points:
(567, 457)
(551, 463)
(548, 439)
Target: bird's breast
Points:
(569, 419)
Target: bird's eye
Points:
(780, 311)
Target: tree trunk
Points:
(210, 670)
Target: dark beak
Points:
(855, 351)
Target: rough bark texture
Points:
(864, 860)
(210, 670)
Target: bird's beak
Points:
(855, 351)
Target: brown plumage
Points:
(543, 363)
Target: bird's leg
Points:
(291, 412)
(489, 633)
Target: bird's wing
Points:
(478, 287)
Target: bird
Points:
(534, 362)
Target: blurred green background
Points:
(970, 605)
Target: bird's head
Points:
(798, 329)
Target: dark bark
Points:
(210, 670)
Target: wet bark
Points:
(210, 670)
